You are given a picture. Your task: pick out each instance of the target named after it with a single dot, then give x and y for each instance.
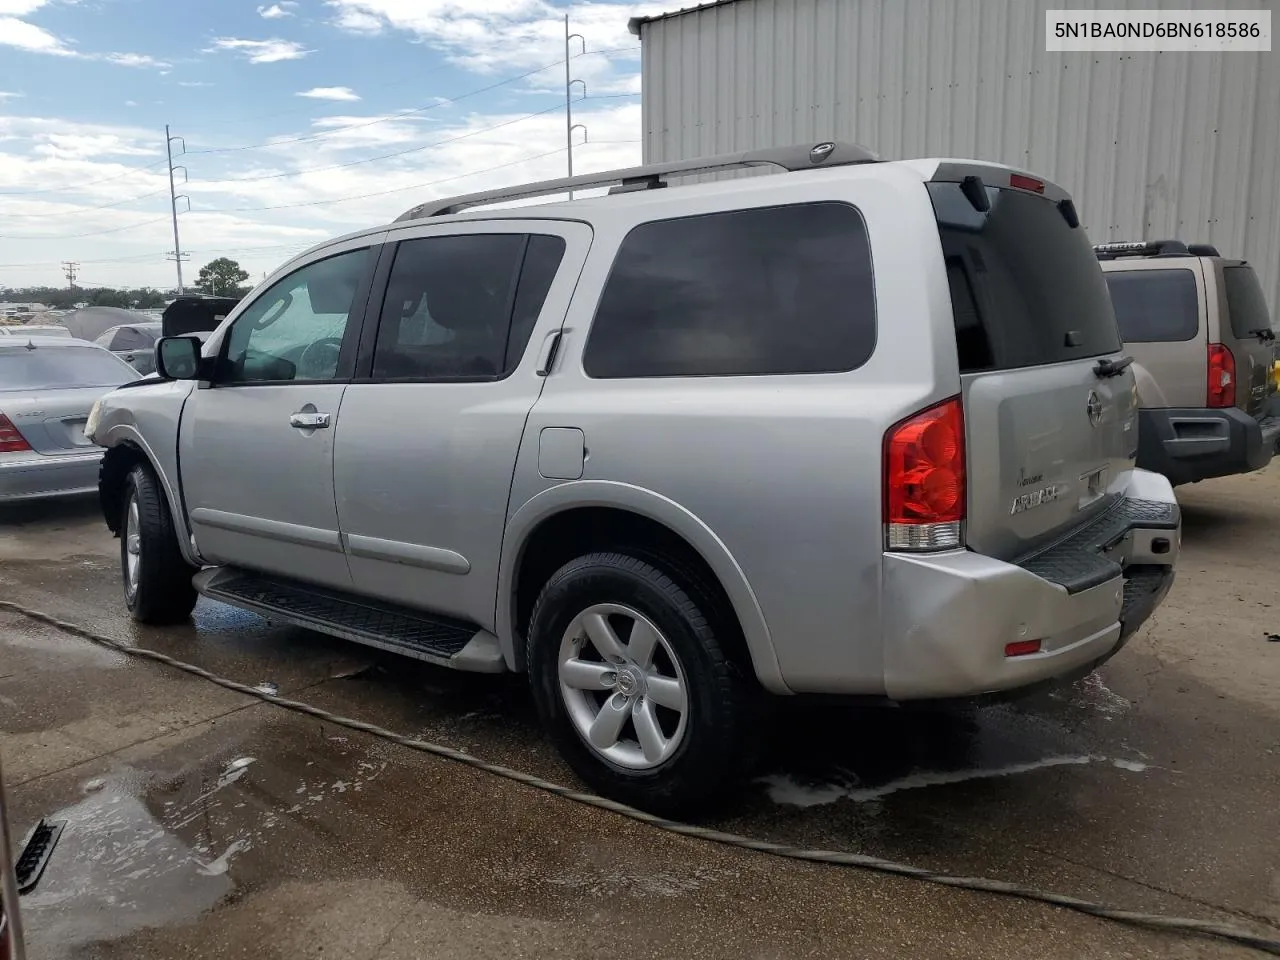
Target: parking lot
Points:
(206, 823)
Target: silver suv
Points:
(860, 428)
(1205, 352)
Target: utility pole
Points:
(174, 197)
(69, 270)
(569, 125)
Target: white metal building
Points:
(1152, 145)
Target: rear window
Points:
(52, 368)
(1245, 302)
(1155, 306)
(1026, 288)
(775, 290)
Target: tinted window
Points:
(51, 368)
(1245, 302)
(778, 290)
(294, 330)
(462, 307)
(1155, 306)
(541, 261)
(1026, 288)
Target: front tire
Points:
(157, 578)
(635, 687)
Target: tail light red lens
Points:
(1222, 376)
(1022, 182)
(11, 441)
(924, 479)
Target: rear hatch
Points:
(1049, 428)
(1249, 332)
(46, 393)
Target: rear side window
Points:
(1155, 306)
(1245, 302)
(777, 290)
(1026, 288)
(463, 307)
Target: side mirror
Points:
(178, 358)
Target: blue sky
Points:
(287, 105)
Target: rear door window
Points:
(1245, 302)
(1155, 306)
(1026, 288)
(775, 290)
(463, 307)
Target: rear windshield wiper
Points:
(1107, 367)
(1264, 334)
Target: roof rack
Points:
(1153, 248)
(798, 157)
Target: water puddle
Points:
(115, 870)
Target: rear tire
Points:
(635, 688)
(157, 578)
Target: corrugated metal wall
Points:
(1152, 145)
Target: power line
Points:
(398, 153)
(91, 183)
(334, 131)
(100, 206)
(78, 236)
(384, 156)
(385, 193)
(413, 186)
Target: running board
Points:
(413, 633)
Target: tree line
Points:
(221, 277)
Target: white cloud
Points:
(133, 60)
(92, 165)
(194, 83)
(330, 93)
(20, 8)
(277, 11)
(262, 51)
(27, 36)
(10, 95)
(357, 21)
(488, 36)
(131, 103)
(33, 39)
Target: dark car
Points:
(134, 343)
(195, 314)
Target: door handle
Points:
(309, 421)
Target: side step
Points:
(423, 636)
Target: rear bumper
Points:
(36, 477)
(949, 616)
(1189, 445)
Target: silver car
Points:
(47, 387)
(861, 429)
(35, 330)
(134, 343)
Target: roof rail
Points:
(799, 157)
(1148, 248)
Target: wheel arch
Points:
(569, 518)
(126, 448)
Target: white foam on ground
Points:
(783, 789)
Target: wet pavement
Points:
(205, 823)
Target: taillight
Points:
(1222, 376)
(924, 488)
(11, 441)
(1026, 183)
